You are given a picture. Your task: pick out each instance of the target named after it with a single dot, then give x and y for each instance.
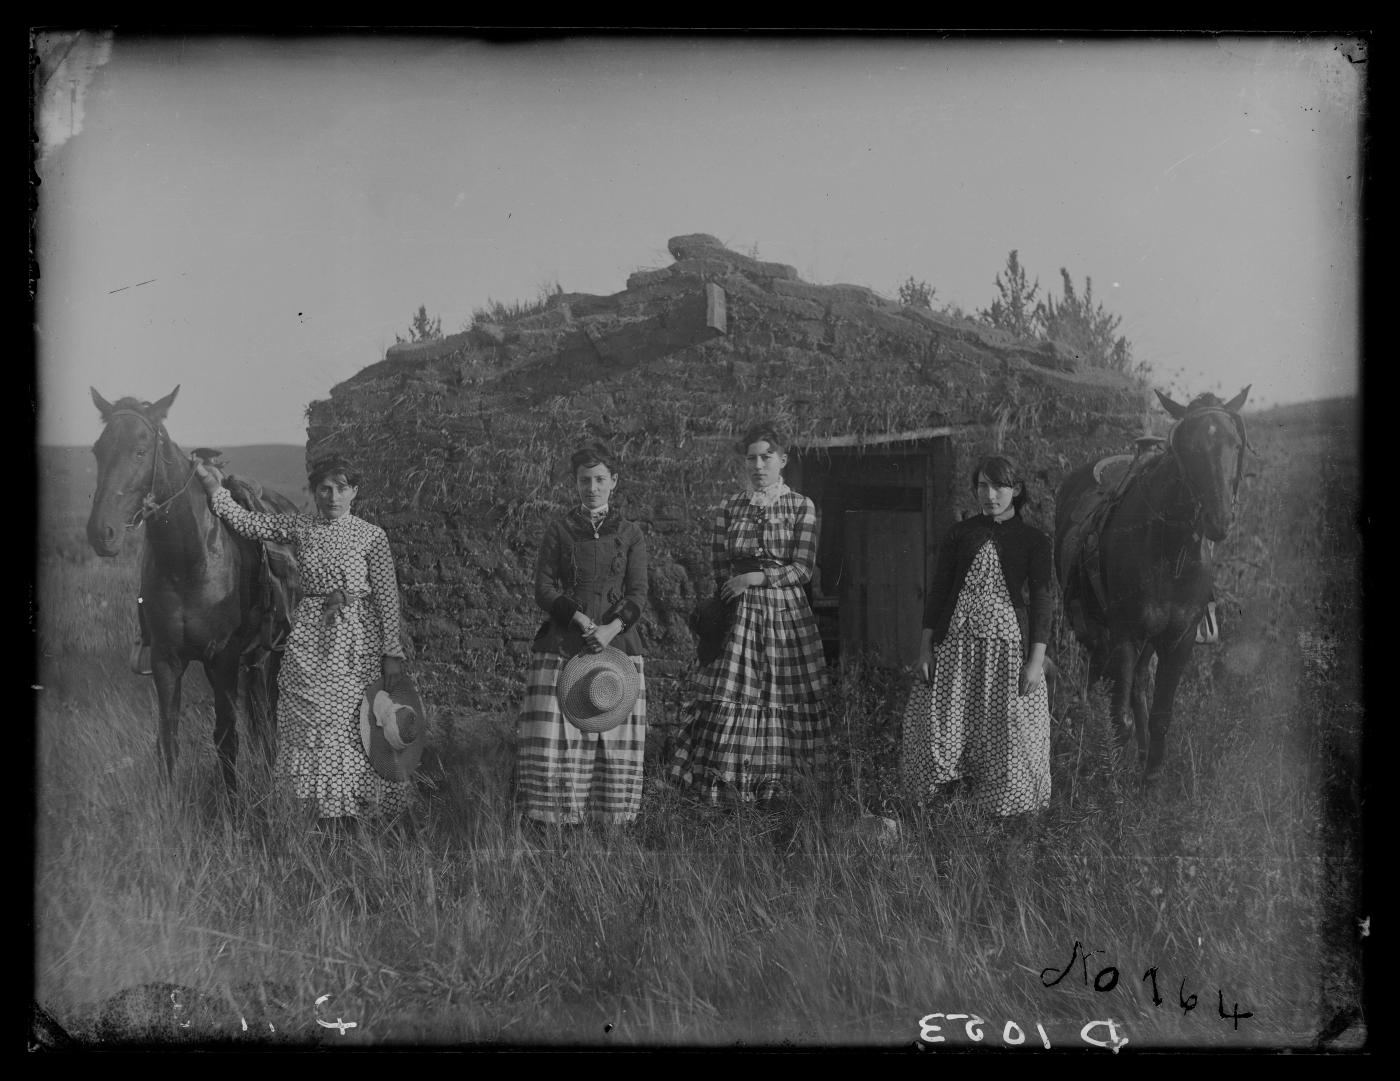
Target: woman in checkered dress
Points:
(759, 715)
(981, 714)
(591, 577)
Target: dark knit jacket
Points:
(604, 576)
(1026, 563)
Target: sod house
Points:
(464, 443)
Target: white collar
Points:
(766, 497)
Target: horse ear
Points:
(1177, 411)
(158, 410)
(103, 405)
(1237, 402)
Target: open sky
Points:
(256, 218)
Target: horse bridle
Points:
(1238, 422)
(149, 507)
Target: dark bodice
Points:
(602, 573)
(1025, 556)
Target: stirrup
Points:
(140, 660)
(1208, 629)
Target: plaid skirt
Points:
(565, 776)
(760, 711)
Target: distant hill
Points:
(68, 475)
(1324, 413)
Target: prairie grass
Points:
(1236, 878)
(496, 311)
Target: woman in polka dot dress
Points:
(344, 636)
(982, 713)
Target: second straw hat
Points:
(598, 690)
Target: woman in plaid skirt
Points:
(591, 577)
(759, 715)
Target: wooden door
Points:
(882, 591)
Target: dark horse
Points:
(201, 584)
(1135, 564)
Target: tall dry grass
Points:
(157, 905)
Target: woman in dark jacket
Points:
(982, 714)
(591, 577)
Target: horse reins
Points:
(1238, 422)
(149, 508)
(1175, 458)
(1157, 515)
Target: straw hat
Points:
(393, 729)
(598, 690)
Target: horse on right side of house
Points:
(1134, 560)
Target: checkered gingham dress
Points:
(972, 724)
(563, 775)
(325, 669)
(759, 712)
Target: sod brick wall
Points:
(464, 442)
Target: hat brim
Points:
(391, 764)
(572, 690)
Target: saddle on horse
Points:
(279, 584)
(1080, 548)
(279, 577)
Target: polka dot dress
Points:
(325, 669)
(971, 724)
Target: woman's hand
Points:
(926, 662)
(587, 628)
(733, 589)
(391, 672)
(208, 476)
(333, 608)
(598, 638)
(1032, 676)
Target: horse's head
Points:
(1208, 442)
(127, 454)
